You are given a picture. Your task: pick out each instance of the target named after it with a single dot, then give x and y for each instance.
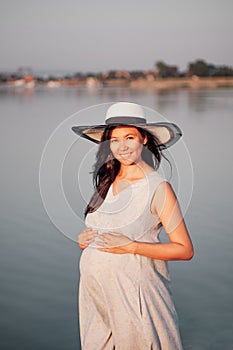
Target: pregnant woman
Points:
(125, 301)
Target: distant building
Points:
(172, 71)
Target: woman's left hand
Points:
(116, 243)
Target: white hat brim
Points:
(166, 133)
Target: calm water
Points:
(39, 265)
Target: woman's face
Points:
(126, 144)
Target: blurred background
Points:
(60, 57)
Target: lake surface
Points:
(39, 264)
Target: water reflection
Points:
(200, 101)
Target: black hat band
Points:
(125, 120)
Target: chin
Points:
(127, 161)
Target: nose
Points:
(123, 145)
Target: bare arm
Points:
(180, 247)
(166, 206)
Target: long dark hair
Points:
(107, 167)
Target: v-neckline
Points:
(129, 186)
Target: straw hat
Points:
(131, 114)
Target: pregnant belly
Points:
(95, 263)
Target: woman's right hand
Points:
(86, 237)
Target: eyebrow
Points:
(115, 137)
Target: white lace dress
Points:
(125, 300)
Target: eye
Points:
(113, 140)
(130, 137)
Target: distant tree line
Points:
(162, 70)
(198, 67)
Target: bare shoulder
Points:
(163, 195)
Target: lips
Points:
(125, 155)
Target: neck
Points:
(134, 170)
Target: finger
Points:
(109, 250)
(101, 244)
(90, 239)
(87, 235)
(85, 240)
(114, 234)
(82, 246)
(89, 230)
(91, 235)
(106, 237)
(106, 250)
(103, 238)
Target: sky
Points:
(94, 36)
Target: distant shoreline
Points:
(194, 83)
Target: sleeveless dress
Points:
(125, 301)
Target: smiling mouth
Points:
(125, 155)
